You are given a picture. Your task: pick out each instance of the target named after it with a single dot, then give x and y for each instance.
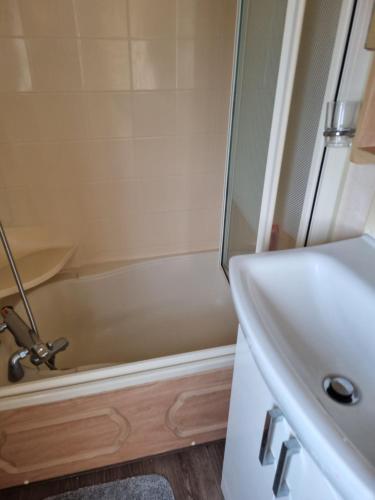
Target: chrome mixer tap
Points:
(26, 337)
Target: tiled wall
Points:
(358, 193)
(113, 119)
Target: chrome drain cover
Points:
(341, 389)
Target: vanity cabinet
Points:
(253, 412)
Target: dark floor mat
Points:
(150, 487)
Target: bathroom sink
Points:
(307, 314)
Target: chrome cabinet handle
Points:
(288, 448)
(265, 454)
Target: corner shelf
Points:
(35, 268)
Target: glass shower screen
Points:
(261, 28)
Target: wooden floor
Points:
(194, 474)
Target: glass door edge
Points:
(284, 89)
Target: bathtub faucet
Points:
(30, 343)
(26, 337)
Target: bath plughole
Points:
(26, 336)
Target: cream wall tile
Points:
(195, 153)
(22, 208)
(103, 239)
(219, 153)
(46, 171)
(102, 18)
(42, 162)
(164, 193)
(225, 47)
(186, 64)
(106, 199)
(61, 116)
(198, 18)
(95, 161)
(112, 160)
(105, 64)
(358, 193)
(9, 174)
(207, 190)
(125, 174)
(47, 17)
(2, 163)
(156, 156)
(198, 230)
(114, 238)
(55, 64)
(227, 17)
(5, 212)
(14, 65)
(126, 195)
(161, 231)
(152, 19)
(180, 231)
(154, 114)
(181, 192)
(18, 118)
(67, 204)
(195, 112)
(40, 165)
(198, 61)
(110, 115)
(27, 165)
(220, 110)
(97, 200)
(10, 20)
(153, 64)
(73, 161)
(133, 234)
(205, 232)
(45, 206)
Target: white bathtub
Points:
(133, 324)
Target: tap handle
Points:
(57, 346)
(45, 353)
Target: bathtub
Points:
(148, 367)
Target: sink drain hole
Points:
(341, 389)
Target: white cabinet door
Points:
(244, 478)
(306, 481)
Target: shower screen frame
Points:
(281, 107)
(347, 78)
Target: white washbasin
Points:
(308, 313)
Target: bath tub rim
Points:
(112, 378)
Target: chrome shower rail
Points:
(17, 278)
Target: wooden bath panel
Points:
(55, 439)
(181, 416)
